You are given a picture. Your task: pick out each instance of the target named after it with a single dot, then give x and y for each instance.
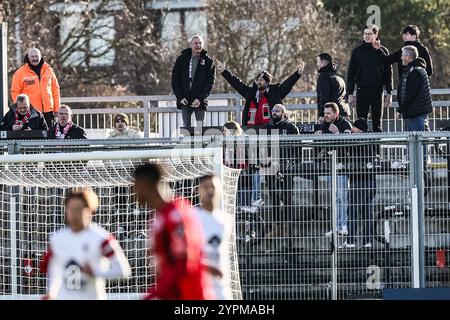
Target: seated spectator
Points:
(22, 116)
(333, 121)
(65, 128)
(121, 130)
(236, 155)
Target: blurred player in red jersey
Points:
(176, 241)
(80, 257)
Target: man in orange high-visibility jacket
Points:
(37, 79)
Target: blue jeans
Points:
(256, 186)
(249, 188)
(341, 199)
(419, 123)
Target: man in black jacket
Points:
(280, 181)
(362, 161)
(261, 96)
(335, 124)
(369, 73)
(22, 116)
(330, 86)
(414, 96)
(65, 128)
(280, 122)
(193, 78)
(410, 35)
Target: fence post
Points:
(147, 105)
(238, 110)
(334, 225)
(14, 148)
(416, 158)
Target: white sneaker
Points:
(367, 245)
(346, 245)
(258, 202)
(249, 209)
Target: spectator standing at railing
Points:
(38, 80)
(369, 73)
(23, 116)
(410, 35)
(362, 165)
(121, 129)
(330, 87)
(193, 78)
(414, 94)
(65, 128)
(335, 124)
(280, 180)
(261, 96)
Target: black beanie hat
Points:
(265, 75)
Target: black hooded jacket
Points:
(331, 88)
(283, 126)
(368, 69)
(203, 82)
(414, 96)
(276, 92)
(424, 53)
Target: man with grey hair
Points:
(414, 96)
(37, 79)
(65, 128)
(23, 116)
(193, 78)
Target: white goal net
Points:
(32, 190)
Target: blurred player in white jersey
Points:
(81, 256)
(217, 233)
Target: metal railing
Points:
(157, 116)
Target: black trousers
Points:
(49, 118)
(281, 191)
(370, 98)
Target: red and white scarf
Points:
(62, 135)
(25, 119)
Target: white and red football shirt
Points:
(217, 229)
(69, 251)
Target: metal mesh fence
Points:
(328, 218)
(331, 216)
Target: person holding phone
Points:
(368, 72)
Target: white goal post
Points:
(32, 190)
